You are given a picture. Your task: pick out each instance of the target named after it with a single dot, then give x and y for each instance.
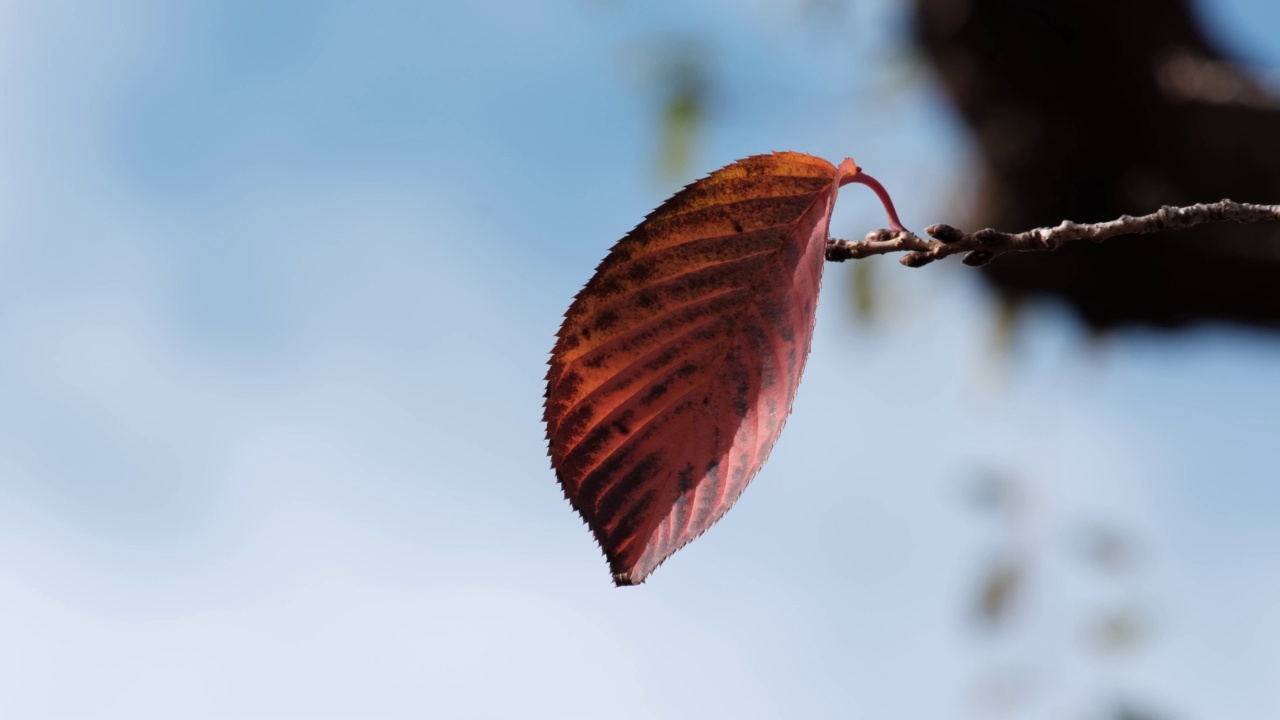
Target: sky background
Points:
(277, 286)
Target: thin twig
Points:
(984, 245)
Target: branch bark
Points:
(984, 245)
(1182, 124)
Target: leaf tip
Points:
(624, 579)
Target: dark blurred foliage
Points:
(1090, 109)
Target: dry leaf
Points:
(677, 364)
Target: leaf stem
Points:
(865, 179)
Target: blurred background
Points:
(278, 282)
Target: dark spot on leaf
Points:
(771, 310)
(737, 226)
(654, 393)
(596, 480)
(606, 319)
(590, 446)
(576, 421)
(608, 286)
(630, 521)
(740, 406)
(569, 384)
(613, 500)
(686, 478)
(640, 271)
(643, 471)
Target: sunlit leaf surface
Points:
(677, 364)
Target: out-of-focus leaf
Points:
(1108, 549)
(1002, 692)
(1128, 712)
(682, 118)
(827, 11)
(865, 290)
(1119, 631)
(678, 362)
(1005, 333)
(1000, 587)
(684, 82)
(904, 68)
(995, 491)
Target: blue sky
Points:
(277, 283)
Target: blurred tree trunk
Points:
(1089, 109)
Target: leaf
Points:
(685, 79)
(1108, 548)
(1000, 588)
(864, 290)
(1119, 630)
(1004, 691)
(677, 364)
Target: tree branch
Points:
(984, 245)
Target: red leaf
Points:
(677, 364)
